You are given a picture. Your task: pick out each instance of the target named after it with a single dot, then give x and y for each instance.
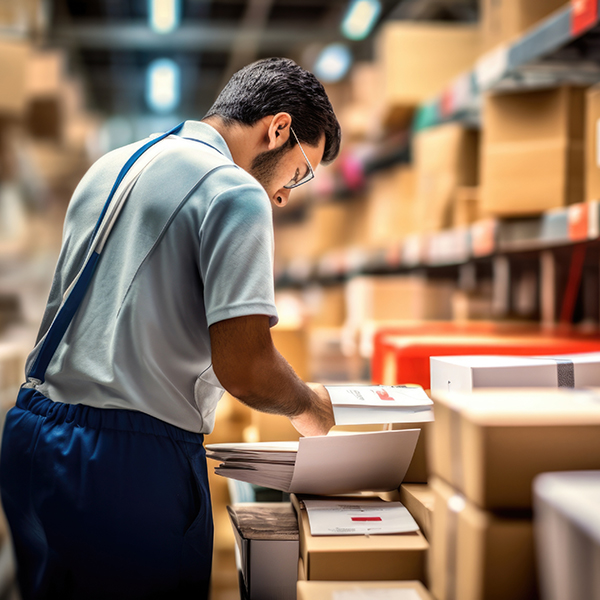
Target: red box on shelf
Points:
(401, 355)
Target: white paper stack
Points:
(361, 404)
(327, 464)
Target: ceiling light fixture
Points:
(163, 85)
(164, 15)
(333, 63)
(360, 18)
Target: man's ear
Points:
(278, 131)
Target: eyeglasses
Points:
(293, 183)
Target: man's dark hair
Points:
(275, 85)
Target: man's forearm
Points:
(250, 368)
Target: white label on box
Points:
(355, 517)
(376, 594)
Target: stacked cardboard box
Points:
(360, 114)
(503, 20)
(446, 159)
(391, 206)
(359, 558)
(14, 56)
(419, 499)
(418, 60)
(486, 449)
(324, 590)
(592, 145)
(532, 151)
(567, 528)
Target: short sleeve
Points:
(236, 255)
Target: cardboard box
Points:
(324, 590)
(476, 555)
(14, 55)
(567, 530)
(360, 558)
(45, 73)
(418, 470)
(489, 445)
(266, 536)
(467, 206)
(419, 500)
(503, 20)
(592, 145)
(417, 60)
(446, 158)
(396, 297)
(326, 305)
(391, 206)
(466, 373)
(532, 151)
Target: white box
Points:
(465, 373)
(567, 530)
(267, 549)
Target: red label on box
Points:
(361, 519)
(579, 222)
(584, 15)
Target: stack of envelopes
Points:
(332, 464)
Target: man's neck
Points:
(243, 141)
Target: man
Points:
(103, 472)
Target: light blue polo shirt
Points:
(193, 246)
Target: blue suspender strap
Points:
(67, 311)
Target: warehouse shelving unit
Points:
(563, 48)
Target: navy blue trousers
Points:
(104, 503)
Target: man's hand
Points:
(318, 419)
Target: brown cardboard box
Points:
(503, 20)
(532, 151)
(466, 206)
(419, 500)
(418, 470)
(490, 444)
(391, 206)
(327, 227)
(326, 305)
(24, 16)
(476, 555)
(417, 60)
(592, 144)
(446, 158)
(45, 73)
(397, 297)
(325, 590)
(360, 558)
(13, 62)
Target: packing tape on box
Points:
(565, 370)
(455, 505)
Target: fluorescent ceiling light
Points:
(164, 15)
(360, 18)
(333, 63)
(163, 85)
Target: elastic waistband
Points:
(101, 418)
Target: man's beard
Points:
(264, 165)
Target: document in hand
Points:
(326, 464)
(360, 404)
(337, 516)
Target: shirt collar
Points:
(204, 132)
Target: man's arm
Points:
(249, 367)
